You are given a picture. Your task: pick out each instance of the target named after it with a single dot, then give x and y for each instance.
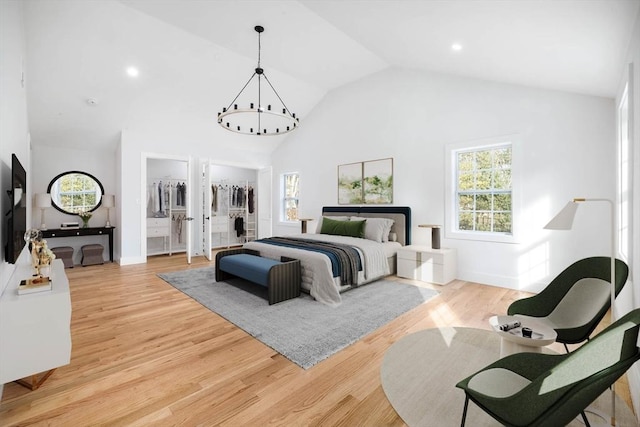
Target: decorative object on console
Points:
(435, 234)
(85, 217)
(43, 201)
(108, 201)
(564, 221)
(258, 120)
(369, 182)
(41, 258)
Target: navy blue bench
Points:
(281, 278)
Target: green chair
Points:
(576, 300)
(535, 389)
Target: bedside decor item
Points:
(258, 119)
(368, 182)
(108, 201)
(43, 201)
(85, 217)
(435, 234)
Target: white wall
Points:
(568, 148)
(14, 132)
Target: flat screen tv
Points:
(17, 216)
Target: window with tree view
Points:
(484, 190)
(290, 197)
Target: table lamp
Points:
(108, 201)
(564, 221)
(43, 201)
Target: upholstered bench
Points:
(92, 254)
(65, 253)
(281, 278)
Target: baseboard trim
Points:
(132, 260)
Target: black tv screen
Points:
(17, 222)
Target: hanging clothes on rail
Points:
(239, 226)
(214, 198)
(250, 200)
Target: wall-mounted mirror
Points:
(75, 191)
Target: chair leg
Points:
(584, 418)
(464, 412)
(566, 348)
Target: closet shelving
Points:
(166, 216)
(233, 215)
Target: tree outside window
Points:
(484, 190)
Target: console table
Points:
(35, 329)
(77, 232)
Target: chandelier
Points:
(256, 118)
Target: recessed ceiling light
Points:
(132, 72)
(456, 47)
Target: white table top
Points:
(542, 334)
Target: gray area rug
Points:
(302, 329)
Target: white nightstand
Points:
(422, 263)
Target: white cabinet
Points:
(35, 329)
(423, 263)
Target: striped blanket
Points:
(345, 259)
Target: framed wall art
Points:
(369, 182)
(350, 184)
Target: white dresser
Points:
(423, 263)
(35, 329)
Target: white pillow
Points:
(376, 229)
(335, 218)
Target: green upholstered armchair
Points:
(534, 389)
(576, 300)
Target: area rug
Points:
(419, 373)
(301, 329)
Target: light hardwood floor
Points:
(146, 354)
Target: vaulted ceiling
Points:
(193, 56)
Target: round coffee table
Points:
(512, 341)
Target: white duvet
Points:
(317, 277)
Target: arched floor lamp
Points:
(564, 221)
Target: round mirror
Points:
(74, 192)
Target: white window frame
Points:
(624, 187)
(451, 205)
(284, 198)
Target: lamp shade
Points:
(564, 219)
(108, 200)
(43, 200)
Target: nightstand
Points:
(423, 263)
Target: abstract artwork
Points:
(369, 182)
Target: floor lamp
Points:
(564, 221)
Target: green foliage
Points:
(484, 190)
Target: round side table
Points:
(512, 340)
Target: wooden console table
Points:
(76, 232)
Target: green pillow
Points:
(343, 228)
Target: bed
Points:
(363, 259)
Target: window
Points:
(290, 191)
(624, 175)
(480, 197)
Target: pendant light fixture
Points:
(258, 117)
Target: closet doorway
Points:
(168, 207)
(230, 206)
